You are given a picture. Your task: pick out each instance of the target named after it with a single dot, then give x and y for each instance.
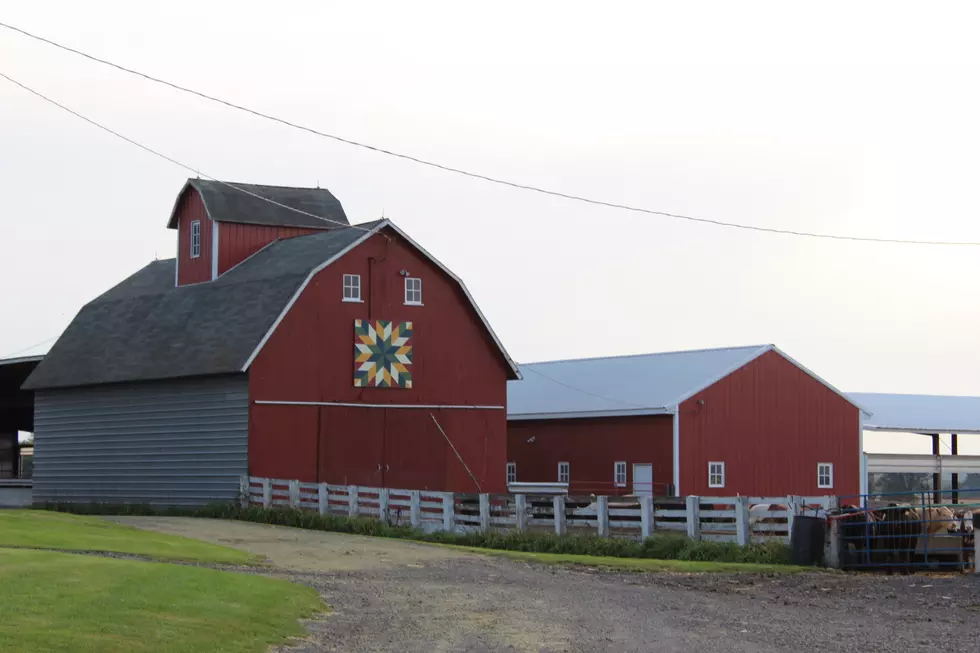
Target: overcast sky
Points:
(861, 121)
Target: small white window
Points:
(716, 474)
(352, 287)
(511, 472)
(619, 474)
(195, 239)
(825, 475)
(413, 291)
(564, 472)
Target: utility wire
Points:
(172, 160)
(475, 175)
(21, 351)
(585, 392)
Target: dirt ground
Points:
(388, 595)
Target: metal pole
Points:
(937, 479)
(954, 449)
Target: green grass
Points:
(36, 529)
(641, 564)
(59, 602)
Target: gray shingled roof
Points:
(145, 328)
(225, 204)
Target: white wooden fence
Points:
(726, 519)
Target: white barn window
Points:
(195, 239)
(716, 474)
(564, 472)
(413, 291)
(825, 475)
(511, 472)
(352, 287)
(619, 474)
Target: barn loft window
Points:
(413, 291)
(564, 472)
(825, 475)
(511, 472)
(195, 239)
(716, 474)
(352, 287)
(619, 474)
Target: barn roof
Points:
(644, 384)
(145, 328)
(920, 413)
(226, 202)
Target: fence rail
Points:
(726, 519)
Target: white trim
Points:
(891, 463)
(214, 250)
(22, 359)
(627, 412)
(343, 288)
(704, 386)
(723, 474)
(413, 290)
(616, 467)
(357, 405)
(677, 454)
(826, 486)
(862, 459)
(190, 239)
(375, 230)
(177, 258)
(507, 470)
(299, 291)
(568, 471)
(842, 395)
(920, 430)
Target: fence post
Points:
(294, 494)
(352, 491)
(646, 516)
(266, 492)
(743, 534)
(832, 549)
(976, 543)
(244, 492)
(602, 516)
(415, 501)
(520, 510)
(322, 498)
(694, 517)
(559, 504)
(484, 512)
(383, 504)
(448, 512)
(792, 510)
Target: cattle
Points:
(899, 529)
(859, 541)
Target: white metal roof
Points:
(22, 359)
(645, 384)
(920, 413)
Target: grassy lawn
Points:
(59, 602)
(38, 529)
(641, 564)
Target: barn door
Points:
(351, 446)
(414, 451)
(643, 480)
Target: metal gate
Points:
(908, 531)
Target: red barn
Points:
(282, 342)
(744, 420)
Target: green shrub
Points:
(666, 546)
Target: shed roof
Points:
(920, 413)
(644, 384)
(237, 202)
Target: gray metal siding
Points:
(181, 442)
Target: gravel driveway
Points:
(388, 595)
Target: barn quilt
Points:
(382, 354)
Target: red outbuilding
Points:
(281, 342)
(723, 422)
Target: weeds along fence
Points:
(742, 520)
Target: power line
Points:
(475, 175)
(585, 392)
(36, 344)
(170, 159)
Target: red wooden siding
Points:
(770, 423)
(591, 447)
(192, 270)
(236, 242)
(310, 358)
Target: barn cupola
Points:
(220, 224)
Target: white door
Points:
(643, 480)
